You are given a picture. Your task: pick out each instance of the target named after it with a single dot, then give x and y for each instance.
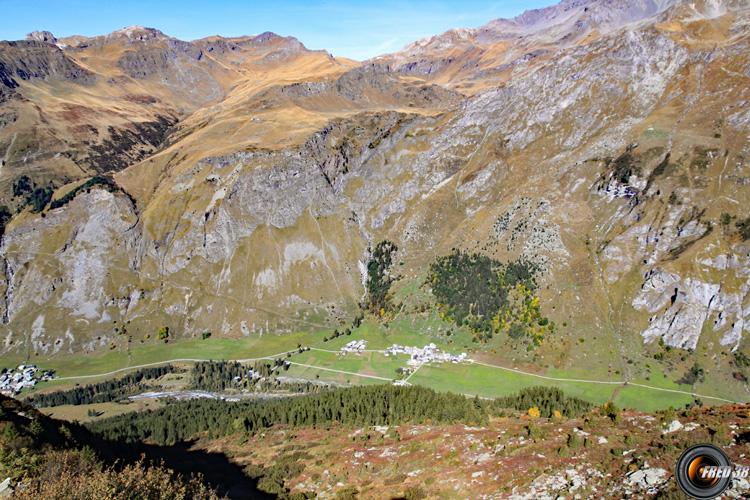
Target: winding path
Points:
(355, 374)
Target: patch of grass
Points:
(492, 382)
(103, 410)
(367, 363)
(485, 381)
(202, 349)
(650, 400)
(702, 157)
(328, 376)
(410, 330)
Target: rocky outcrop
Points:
(355, 84)
(7, 83)
(85, 251)
(679, 307)
(151, 61)
(339, 149)
(42, 36)
(27, 60)
(647, 479)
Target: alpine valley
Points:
(564, 193)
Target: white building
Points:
(427, 354)
(355, 346)
(12, 382)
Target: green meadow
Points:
(326, 363)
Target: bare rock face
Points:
(42, 36)
(29, 60)
(680, 307)
(84, 253)
(7, 83)
(689, 305)
(147, 61)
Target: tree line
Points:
(102, 392)
(547, 400)
(220, 376)
(356, 406)
(360, 406)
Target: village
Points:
(427, 354)
(12, 382)
(417, 355)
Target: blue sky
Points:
(355, 29)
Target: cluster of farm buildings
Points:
(13, 381)
(427, 354)
(355, 346)
(417, 355)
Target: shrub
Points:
(611, 411)
(693, 375)
(743, 227)
(70, 474)
(574, 440)
(347, 493)
(725, 219)
(5, 217)
(23, 185)
(414, 493)
(39, 198)
(741, 359)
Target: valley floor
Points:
(483, 374)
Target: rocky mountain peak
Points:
(266, 36)
(138, 33)
(42, 36)
(575, 14)
(272, 40)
